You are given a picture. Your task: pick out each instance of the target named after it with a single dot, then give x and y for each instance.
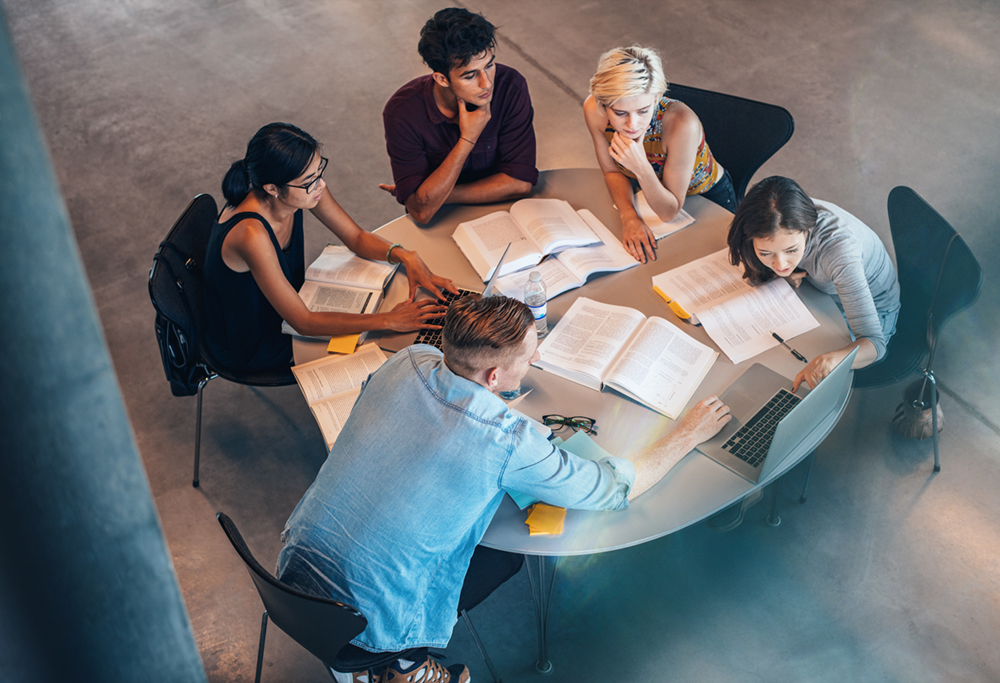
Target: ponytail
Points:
(236, 185)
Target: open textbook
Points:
(570, 268)
(332, 384)
(650, 360)
(339, 281)
(738, 317)
(532, 227)
(656, 225)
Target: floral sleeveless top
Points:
(707, 171)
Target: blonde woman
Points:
(642, 137)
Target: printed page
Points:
(589, 337)
(483, 242)
(662, 367)
(609, 256)
(738, 317)
(659, 227)
(339, 265)
(555, 275)
(333, 375)
(332, 414)
(326, 298)
(703, 282)
(552, 224)
(742, 327)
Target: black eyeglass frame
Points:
(323, 161)
(587, 424)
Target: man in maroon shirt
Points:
(463, 134)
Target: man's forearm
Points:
(438, 186)
(495, 188)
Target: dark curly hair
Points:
(484, 332)
(452, 37)
(773, 204)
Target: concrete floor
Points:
(888, 573)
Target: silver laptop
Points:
(769, 420)
(398, 342)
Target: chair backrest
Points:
(175, 289)
(741, 133)
(938, 277)
(320, 625)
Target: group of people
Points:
(392, 522)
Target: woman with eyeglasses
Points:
(255, 262)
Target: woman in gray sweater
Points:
(778, 231)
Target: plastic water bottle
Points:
(535, 297)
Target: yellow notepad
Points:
(545, 519)
(345, 343)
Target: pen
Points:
(794, 352)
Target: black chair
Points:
(938, 277)
(741, 133)
(180, 293)
(322, 626)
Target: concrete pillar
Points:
(87, 587)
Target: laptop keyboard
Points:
(433, 337)
(752, 441)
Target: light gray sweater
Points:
(846, 259)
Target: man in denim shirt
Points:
(393, 519)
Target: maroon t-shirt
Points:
(418, 137)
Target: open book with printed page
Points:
(332, 384)
(571, 268)
(659, 227)
(340, 281)
(534, 228)
(737, 316)
(648, 359)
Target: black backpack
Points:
(175, 288)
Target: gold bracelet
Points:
(388, 253)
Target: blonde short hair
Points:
(627, 71)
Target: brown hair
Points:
(485, 332)
(773, 204)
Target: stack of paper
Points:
(738, 317)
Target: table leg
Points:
(541, 595)
(772, 518)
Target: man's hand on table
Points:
(705, 419)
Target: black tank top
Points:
(243, 329)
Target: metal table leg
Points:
(541, 595)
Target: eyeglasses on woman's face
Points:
(311, 187)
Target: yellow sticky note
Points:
(546, 519)
(345, 343)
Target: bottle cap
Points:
(535, 276)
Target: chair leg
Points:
(934, 419)
(809, 471)
(479, 644)
(260, 648)
(197, 432)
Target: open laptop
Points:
(398, 342)
(769, 420)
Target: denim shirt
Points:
(408, 490)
